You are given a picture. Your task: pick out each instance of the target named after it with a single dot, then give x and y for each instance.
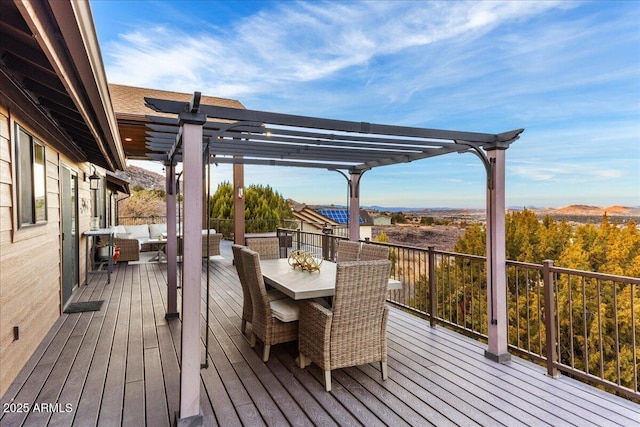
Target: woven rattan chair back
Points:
(263, 325)
(347, 251)
(358, 308)
(354, 332)
(253, 275)
(371, 252)
(247, 305)
(267, 247)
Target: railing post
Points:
(325, 242)
(550, 319)
(433, 300)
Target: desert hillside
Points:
(139, 176)
(443, 237)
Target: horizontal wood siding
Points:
(30, 259)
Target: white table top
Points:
(156, 241)
(299, 284)
(99, 232)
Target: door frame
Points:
(70, 242)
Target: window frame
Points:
(30, 154)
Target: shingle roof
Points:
(129, 100)
(131, 113)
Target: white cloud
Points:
(562, 70)
(297, 42)
(564, 172)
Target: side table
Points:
(97, 266)
(161, 244)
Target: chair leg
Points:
(265, 353)
(327, 380)
(383, 368)
(301, 360)
(243, 328)
(252, 340)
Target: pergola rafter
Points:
(205, 134)
(323, 143)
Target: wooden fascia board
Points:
(97, 78)
(44, 31)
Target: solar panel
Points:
(341, 216)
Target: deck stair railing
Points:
(580, 323)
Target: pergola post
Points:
(192, 271)
(496, 258)
(238, 204)
(172, 243)
(354, 206)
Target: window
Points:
(31, 190)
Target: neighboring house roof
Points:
(331, 216)
(51, 69)
(131, 113)
(304, 213)
(341, 216)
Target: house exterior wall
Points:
(30, 257)
(382, 220)
(365, 232)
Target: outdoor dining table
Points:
(299, 284)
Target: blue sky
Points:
(567, 72)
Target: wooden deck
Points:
(120, 366)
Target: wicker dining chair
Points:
(371, 252)
(347, 250)
(267, 247)
(247, 305)
(211, 244)
(354, 332)
(264, 325)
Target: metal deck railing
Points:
(581, 323)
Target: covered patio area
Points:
(121, 366)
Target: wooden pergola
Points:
(198, 135)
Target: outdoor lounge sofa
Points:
(133, 239)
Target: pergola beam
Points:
(235, 114)
(272, 162)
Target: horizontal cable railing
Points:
(581, 323)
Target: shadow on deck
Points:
(120, 366)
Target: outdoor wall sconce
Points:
(240, 193)
(94, 179)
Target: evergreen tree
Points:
(265, 208)
(596, 318)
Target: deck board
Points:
(120, 366)
(114, 391)
(88, 408)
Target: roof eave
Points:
(76, 59)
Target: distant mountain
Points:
(139, 176)
(594, 210)
(392, 209)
